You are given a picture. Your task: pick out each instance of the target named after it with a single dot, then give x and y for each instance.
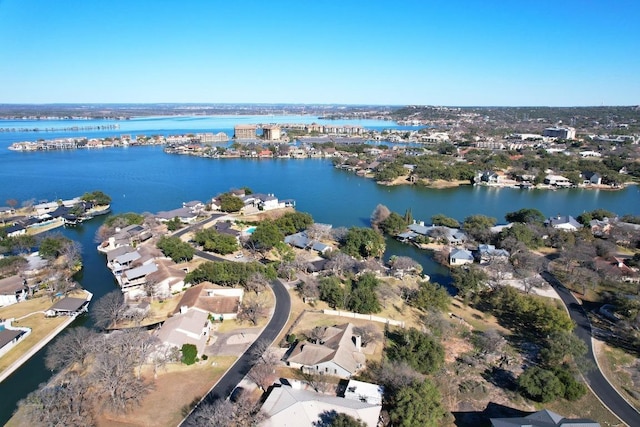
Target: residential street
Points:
(237, 372)
(598, 383)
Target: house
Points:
(291, 406)
(563, 222)
(490, 177)
(68, 306)
(591, 178)
(488, 253)
(130, 235)
(614, 267)
(302, 241)
(13, 289)
(10, 336)
(221, 303)
(194, 205)
(134, 279)
(557, 180)
(339, 354)
(167, 278)
(15, 230)
(543, 418)
(460, 257)
(185, 215)
(453, 236)
(189, 326)
(600, 227)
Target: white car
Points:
(240, 255)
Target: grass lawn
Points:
(40, 325)
(176, 391)
(617, 366)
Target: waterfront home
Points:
(453, 236)
(600, 227)
(459, 256)
(15, 230)
(263, 202)
(188, 326)
(302, 241)
(222, 303)
(563, 222)
(13, 289)
(591, 178)
(130, 235)
(339, 354)
(488, 253)
(615, 268)
(194, 205)
(185, 215)
(167, 278)
(133, 280)
(543, 418)
(557, 181)
(10, 336)
(290, 405)
(68, 306)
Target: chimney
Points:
(357, 339)
(183, 309)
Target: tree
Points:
(441, 220)
(252, 310)
(97, 197)
(189, 354)
(404, 264)
(339, 263)
(174, 224)
(363, 242)
(379, 214)
(419, 350)
(332, 292)
(368, 333)
(317, 334)
(525, 216)
(257, 283)
(266, 236)
(393, 225)
(363, 298)
(540, 384)
(230, 203)
(219, 412)
(561, 347)
(335, 419)
(477, 227)
(430, 296)
(417, 405)
(175, 249)
(108, 310)
(469, 281)
(52, 246)
(71, 348)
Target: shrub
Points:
(189, 354)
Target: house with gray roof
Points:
(302, 241)
(563, 222)
(460, 257)
(13, 289)
(292, 406)
(190, 326)
(543, 418)
(339, 354)
(488, 253)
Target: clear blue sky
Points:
(484, 52)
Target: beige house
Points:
(189, 326)
(339, 353)
(221, 302)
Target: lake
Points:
(145, 179)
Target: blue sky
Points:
(510, 52)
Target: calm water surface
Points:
(145, 179)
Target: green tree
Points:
(408, 216)
(96, 197)
(266, 236)
(561, 347)
(125, 219)
(363, 298)
(293, 222)
(469, 281)
(227, 273)
(213, 241)
(441, 220)
(175, 249)
(540, 384)
(526, 216)
(417, 405)
(393, 225)
(174, 224)
(430, 296)
(230, 203)
(189, 354)
(420, 351)
(363, 242)
(51, 247)
(477, 227)
(332, 292)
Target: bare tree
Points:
(74, 347)
(340, 263)
(309, 289)
(317, 334)
(220, 413)
(368, 333)
(252, 310)
(490, 341)
(394, 375)
(339, 234)
(405, 264)
(318, 231)
(69, 403)
(379, 214)
(257, 283)
(108, 310)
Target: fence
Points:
(364, 317)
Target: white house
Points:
(13, 289)
(189, 326)
(460, 257)
(563, 222)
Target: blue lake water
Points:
(145, 179)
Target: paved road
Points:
(237, 372)
(598, 383)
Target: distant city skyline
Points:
(462, 53)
